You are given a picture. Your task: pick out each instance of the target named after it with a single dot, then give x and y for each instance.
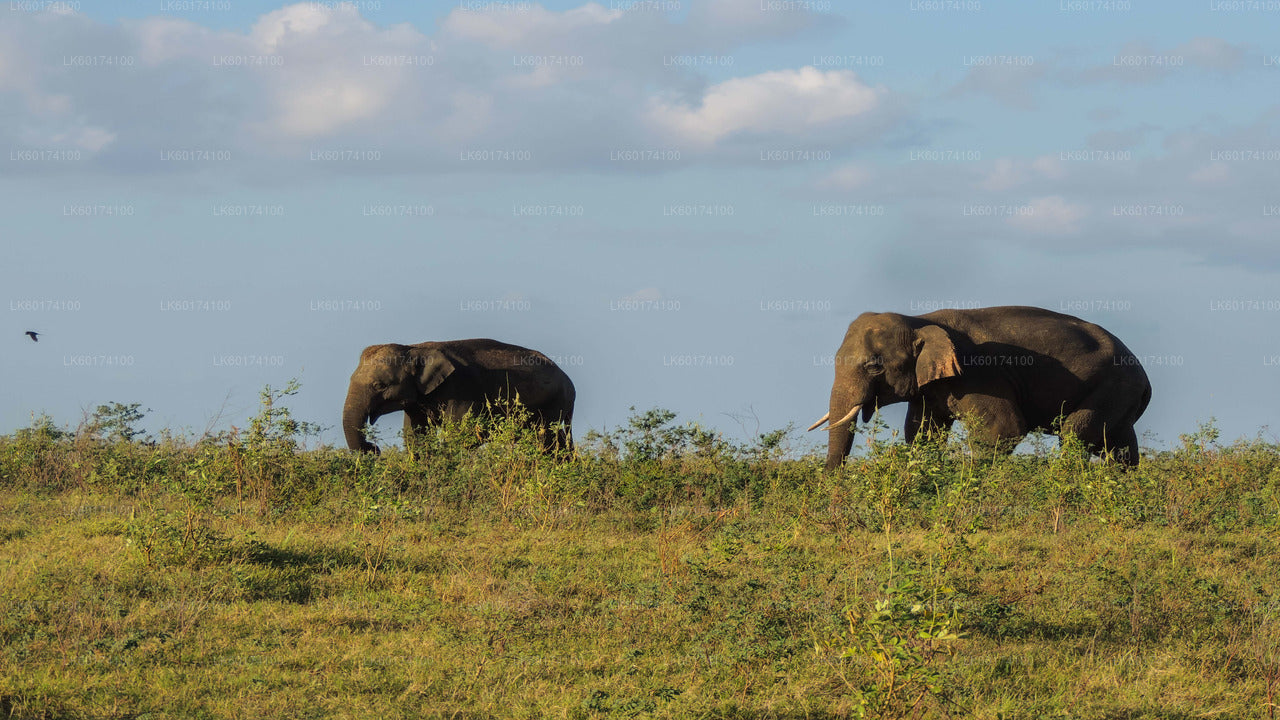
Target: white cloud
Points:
(325, 104)
(723, 21)
(1214, 173)
(325, 80)
(847, 177)
(783, 101)
(514, 27)
(1049, 166)
(94, 139)
(293, 24)
(41, 104)
(1005, 174)
(1050, 215)
(160, 40)
(1011, 173)
(1013, 80)
(313, 73)
(1012, 83)
(1174, 199)
(69, 134)
(1137, 63)
(1215, 53)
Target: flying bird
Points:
(32, 334)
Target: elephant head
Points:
(885, 358)
(390, 378)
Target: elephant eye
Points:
(379, 386)
(874, 366)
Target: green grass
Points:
(665, 572)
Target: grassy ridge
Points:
(665, 572)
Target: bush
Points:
(652, 462)
(902, 646)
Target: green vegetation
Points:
(664, 572)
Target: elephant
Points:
(1014, 369)
(434, 381)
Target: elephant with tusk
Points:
(434, 381)
(1014, 369)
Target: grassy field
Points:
(665, 572)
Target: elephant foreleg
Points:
(416, 423)
(927, 419)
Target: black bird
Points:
(32, 334)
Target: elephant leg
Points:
(1102, 438)
(550, 438)
(566, 439)
(1124, 441)
(993, 422)
(469, 415)
(1104, 420)
(416, 424)
(456, 410)
(410, 437)
(915, 419)
(555, 433)
(927, 418)
(1088, 427)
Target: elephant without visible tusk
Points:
(434, 381)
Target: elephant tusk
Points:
(846, 418)
(820, 421)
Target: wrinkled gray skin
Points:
(1016, 369)
(432, 381)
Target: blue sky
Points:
(685, 202)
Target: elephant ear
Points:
(434, 369)
(935, 355)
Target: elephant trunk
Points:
(839, 443)
(843, 416)
(354, 416)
